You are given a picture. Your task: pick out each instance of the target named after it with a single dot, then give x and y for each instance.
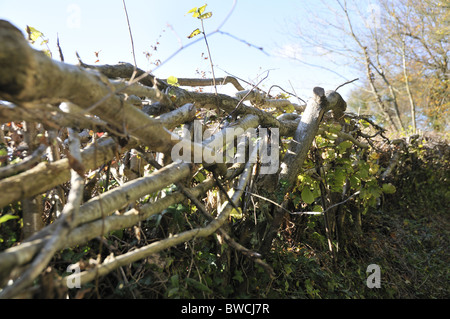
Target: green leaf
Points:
(171, 80)
(335, 128)
(174, 281)
(388, 188)
(339, 179)
(200, 177)
(172, 292)
(238, 276)
(307, 195)
(354, 181)
(198, 285)
(287, 269)
(344, 145)
(317, 208)
(48, 53)
(236, 214)
(7, 217)
(194, 33)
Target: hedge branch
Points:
(210, 82)
(24, 253)
(115, 262)
(25, 164)
(45, 176)
(64, 225)
(296, 154)
(30, 77)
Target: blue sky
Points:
(92, 26)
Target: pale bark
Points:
(143, 252)
(37, 85)
(64, 225)
(298, 150)
(45, 176)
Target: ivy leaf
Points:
(194, 33)
(307, 195)
(343, 146)
(238, 276)
(198, 285)
(388, 188)
(3, 151)
(7, 217)
(200, 177)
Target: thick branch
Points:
(29, 76)
(124, 71)
(23, 254)
(64, 225)
(143, 252)
(295, 156)
(210, 82)
(45, 176)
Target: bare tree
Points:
(397, 44)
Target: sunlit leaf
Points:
(206, 15)
(192, 10)
(7, 217)
(201, 9)
(171, 80)
(307, 195)
(344, 146)
(236, 214)
(194, 33)
(33, 34)
(388, 188)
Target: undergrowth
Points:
(406, 235)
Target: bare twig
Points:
(61, 56)
(243, 41)
(210, 57)
(345, 83)
(247, 94)
(326, 210)
(131, 35)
